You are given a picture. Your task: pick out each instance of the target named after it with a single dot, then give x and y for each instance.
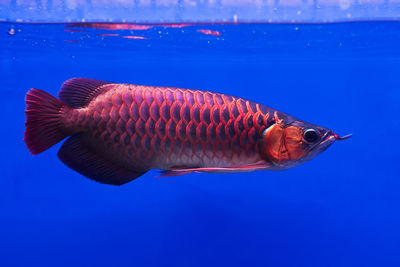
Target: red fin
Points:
(42, 121)
(77, 92)
(245, 168)
(168, 173)
(76, 155)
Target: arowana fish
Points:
(117, 132)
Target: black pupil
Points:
(310, 136)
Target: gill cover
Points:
(282, 145)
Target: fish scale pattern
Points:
(172, 127)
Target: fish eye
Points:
(310, 136)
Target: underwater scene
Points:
(340, 208)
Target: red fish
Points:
(117, 132)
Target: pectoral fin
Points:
(245, 168)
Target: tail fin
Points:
(43, 124)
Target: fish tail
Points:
(43, 127)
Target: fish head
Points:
(288, 144)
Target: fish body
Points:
(117, 132)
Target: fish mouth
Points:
(329, 136)
(326, 140)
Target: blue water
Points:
(340, 209)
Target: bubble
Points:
(235, 18)
(11, 31)
(344, 4)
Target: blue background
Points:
(339, 209)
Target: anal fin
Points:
(76, 155)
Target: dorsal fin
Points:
(78, 92)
